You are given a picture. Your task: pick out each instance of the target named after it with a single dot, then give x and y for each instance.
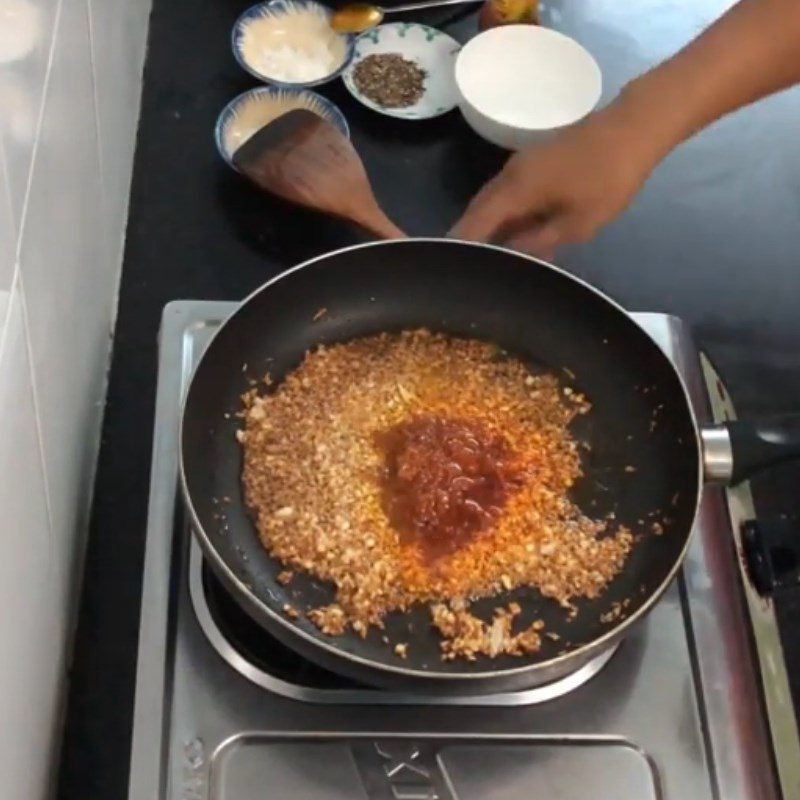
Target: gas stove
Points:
(694, 705)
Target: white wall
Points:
(70, 78)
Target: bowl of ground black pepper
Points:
(404, 70)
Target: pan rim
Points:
(614, 633)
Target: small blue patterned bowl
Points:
(434, 51)
(251, 111)
(290, 43)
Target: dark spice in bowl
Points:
(390, 80)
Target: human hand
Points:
(562, 191)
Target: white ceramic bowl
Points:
(520, 83)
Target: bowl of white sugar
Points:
(519, 84)
(290, 43)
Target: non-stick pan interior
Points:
(642, 465)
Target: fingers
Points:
(540, 241)
(489, 210)
(518, 196)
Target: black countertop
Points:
(713, 238)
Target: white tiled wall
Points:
(70, 77)
(7, 241)
(29, 665)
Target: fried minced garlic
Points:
(468, 636)
(311, 479)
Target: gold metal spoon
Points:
(360, 17)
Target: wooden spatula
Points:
(303, 158)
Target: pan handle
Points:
(772, 555)
(738, 449)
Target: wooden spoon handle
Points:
(372, 218)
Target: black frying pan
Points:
(641, 418)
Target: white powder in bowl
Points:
(293, 64)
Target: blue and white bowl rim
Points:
(332, 111)
(278, 8)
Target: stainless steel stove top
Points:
(694, 704)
